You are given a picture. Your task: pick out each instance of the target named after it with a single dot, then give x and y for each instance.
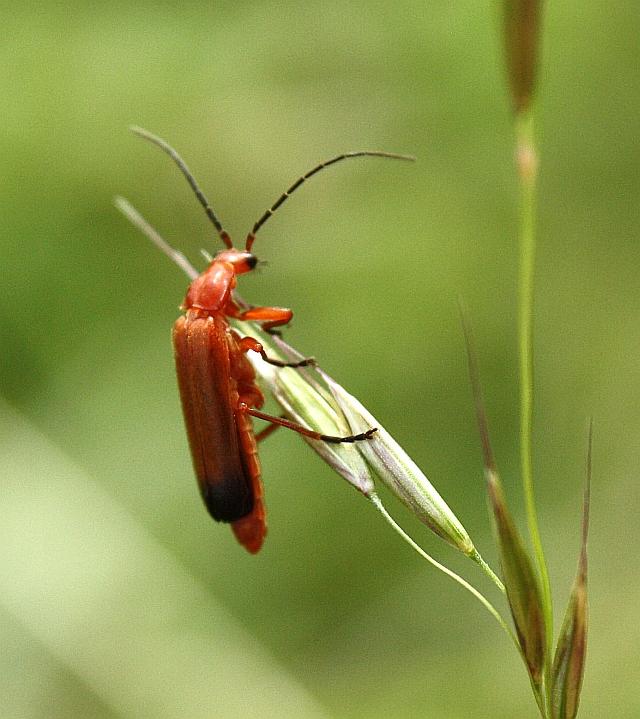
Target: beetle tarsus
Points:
(271, 331)
(351, 438)
(306, 362)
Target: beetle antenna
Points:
(189, 177)
(130, 212)
(285, 195)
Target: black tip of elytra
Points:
(229, 500)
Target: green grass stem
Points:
(527, 165)
(375, 500)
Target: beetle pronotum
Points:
(217, 383)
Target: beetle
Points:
(217, 383)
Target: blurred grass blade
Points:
(521, 583)
(569, 660)
(123, 617)
(522, 20)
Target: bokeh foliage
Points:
(118, 596)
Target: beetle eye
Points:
(252, 261)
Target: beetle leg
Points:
(250, 343)
(271, 317)
(264, 433)
(280, 421)
(271, 331)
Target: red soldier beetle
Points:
(217, 383)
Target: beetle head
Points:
(241, 260)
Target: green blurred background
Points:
(118, 595)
